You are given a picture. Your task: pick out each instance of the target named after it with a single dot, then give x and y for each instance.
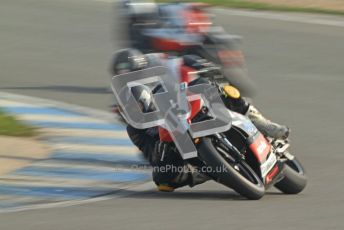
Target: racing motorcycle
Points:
(251, 163)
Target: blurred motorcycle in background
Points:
(186, 28)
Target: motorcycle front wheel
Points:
(237, 175)
(295, 178)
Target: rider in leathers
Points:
(160, 154)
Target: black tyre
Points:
(238, 176)
(295, 178)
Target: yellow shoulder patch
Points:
(231, 91)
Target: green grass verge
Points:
(246, 4)
(9, 126)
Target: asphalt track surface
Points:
(61, 49)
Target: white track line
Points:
(9, 103)
(309, 18)
(315, 19)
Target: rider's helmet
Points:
(127, 60)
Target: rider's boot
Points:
(265, 126)
(188, 177)
(170, 171)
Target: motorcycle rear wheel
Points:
(236, 175)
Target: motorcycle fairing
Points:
(270, 167)
(260, 147)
